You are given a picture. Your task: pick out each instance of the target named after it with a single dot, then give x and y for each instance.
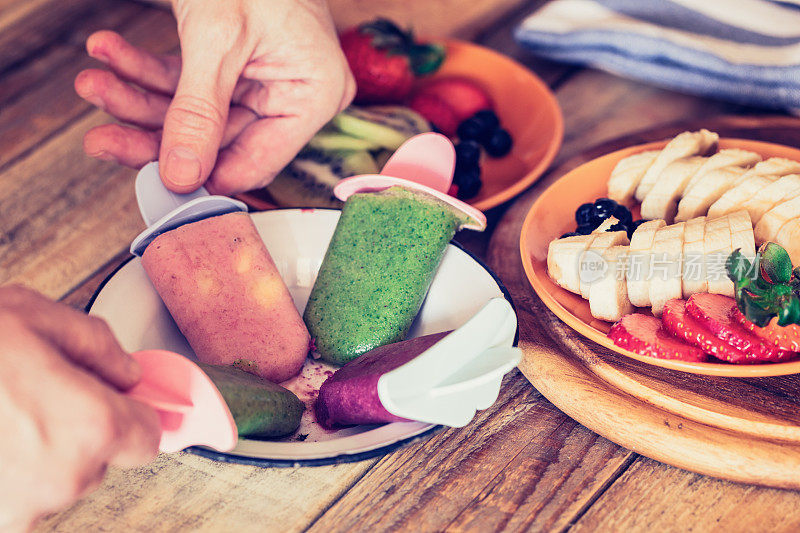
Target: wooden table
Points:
(66, 222)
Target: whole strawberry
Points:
(385, 60)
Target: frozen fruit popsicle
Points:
(377, 269)
(221, 286)
(350, 395)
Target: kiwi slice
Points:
(329, 141)
(308, 181)
(387, 126)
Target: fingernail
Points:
(94, 100)
(99, 55)
(183, 167)
(103, 156)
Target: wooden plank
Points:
(521, 461)
(184, 492)
(650, 496)
(47, 101)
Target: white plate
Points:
(297, 240)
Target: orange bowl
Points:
(553, 215)
(526, 108)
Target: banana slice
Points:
(785, 188)
(717, 246)
(608, 296)
(699, 197)
(562, 260)
(693, 267)
(686, 144)
(627, 174)
(734, 198)
(662, 200)
(742, 237)
(590, 260)
(732, 157)
(789, 237)
(665, 279)
(776, 166)
(772, 221)
(639, 262)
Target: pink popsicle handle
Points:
(191, 408)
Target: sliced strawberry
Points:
(437, 111)
(783, 337)
(684, 326)
(644, 335)
(465, 97)
(715, 312)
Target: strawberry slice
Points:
(644, 335)
(783, 337)
(684, 326)
(716, 313)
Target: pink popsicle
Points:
(221, 286)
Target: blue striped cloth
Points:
(743, 51)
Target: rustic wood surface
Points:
(66, 222)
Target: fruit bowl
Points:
(526, 107)
(552, 216)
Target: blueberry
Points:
(585, 229)
(604, 208)
(499, 143)
(468, 154)
(569, 234)
(469, 181)
(585, 214)
(623, 214)
(488, 118)
(619, 226)
(471, 129)
(633, 225)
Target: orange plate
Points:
(553, 215)
(527, 109)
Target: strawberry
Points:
(716, 313)
(386, 60)
(464, 96)
(782, 337)
(644, 335)
(436, 111)
(684, 326)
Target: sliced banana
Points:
(662, 200)
(639, 262)
(608, 296)
(590, 259)
(686, 144)
(742, 237)
(776, 166)
(693, 267)
(627, 174)
(789, 237)
(734, 198)
(731, 157)
(563, 256)
(774, 219)
(785, 188)
(665, 270)
(717, 246)
(699, 197)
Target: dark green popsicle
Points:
(259, 407)
(378, 267)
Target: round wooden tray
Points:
(741, 429)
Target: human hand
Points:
(62, 417)
(256, 80)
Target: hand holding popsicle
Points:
(255, 81)
(63, 416)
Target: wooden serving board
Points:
(741, 429)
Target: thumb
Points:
(196, 117)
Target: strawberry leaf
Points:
(790, 312)
(754, 312)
